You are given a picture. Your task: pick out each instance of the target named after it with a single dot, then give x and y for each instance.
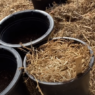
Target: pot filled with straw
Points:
(60, 66)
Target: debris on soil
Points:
(5, 79)
(56, 61)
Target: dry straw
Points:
(78, 22)
(58, 61)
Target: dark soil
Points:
(25, 38)
(5, 79)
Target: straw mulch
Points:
(75, 19)
(8, 7)
(58, 61)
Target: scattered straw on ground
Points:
(8, 7)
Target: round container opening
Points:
(24, 27)
(7, 68)
(69, 81)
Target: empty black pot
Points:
(11, 82)
(77, 86)
(42, 4)
(29, 27)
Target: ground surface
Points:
(10, 6)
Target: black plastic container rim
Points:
(51, 25)
(17, 73)
(59, 83)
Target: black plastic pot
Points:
(29, 27)
(42, 4)
(77, 86)
(11, 82)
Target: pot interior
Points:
(24, 29)
(7, 68)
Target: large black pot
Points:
(42, 4)
(77, 86)
(29, 27)
(11, 82)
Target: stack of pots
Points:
(29, 27)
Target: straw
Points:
(58, 60)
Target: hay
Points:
(58, 61)
(8, 7)
(78, 21)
